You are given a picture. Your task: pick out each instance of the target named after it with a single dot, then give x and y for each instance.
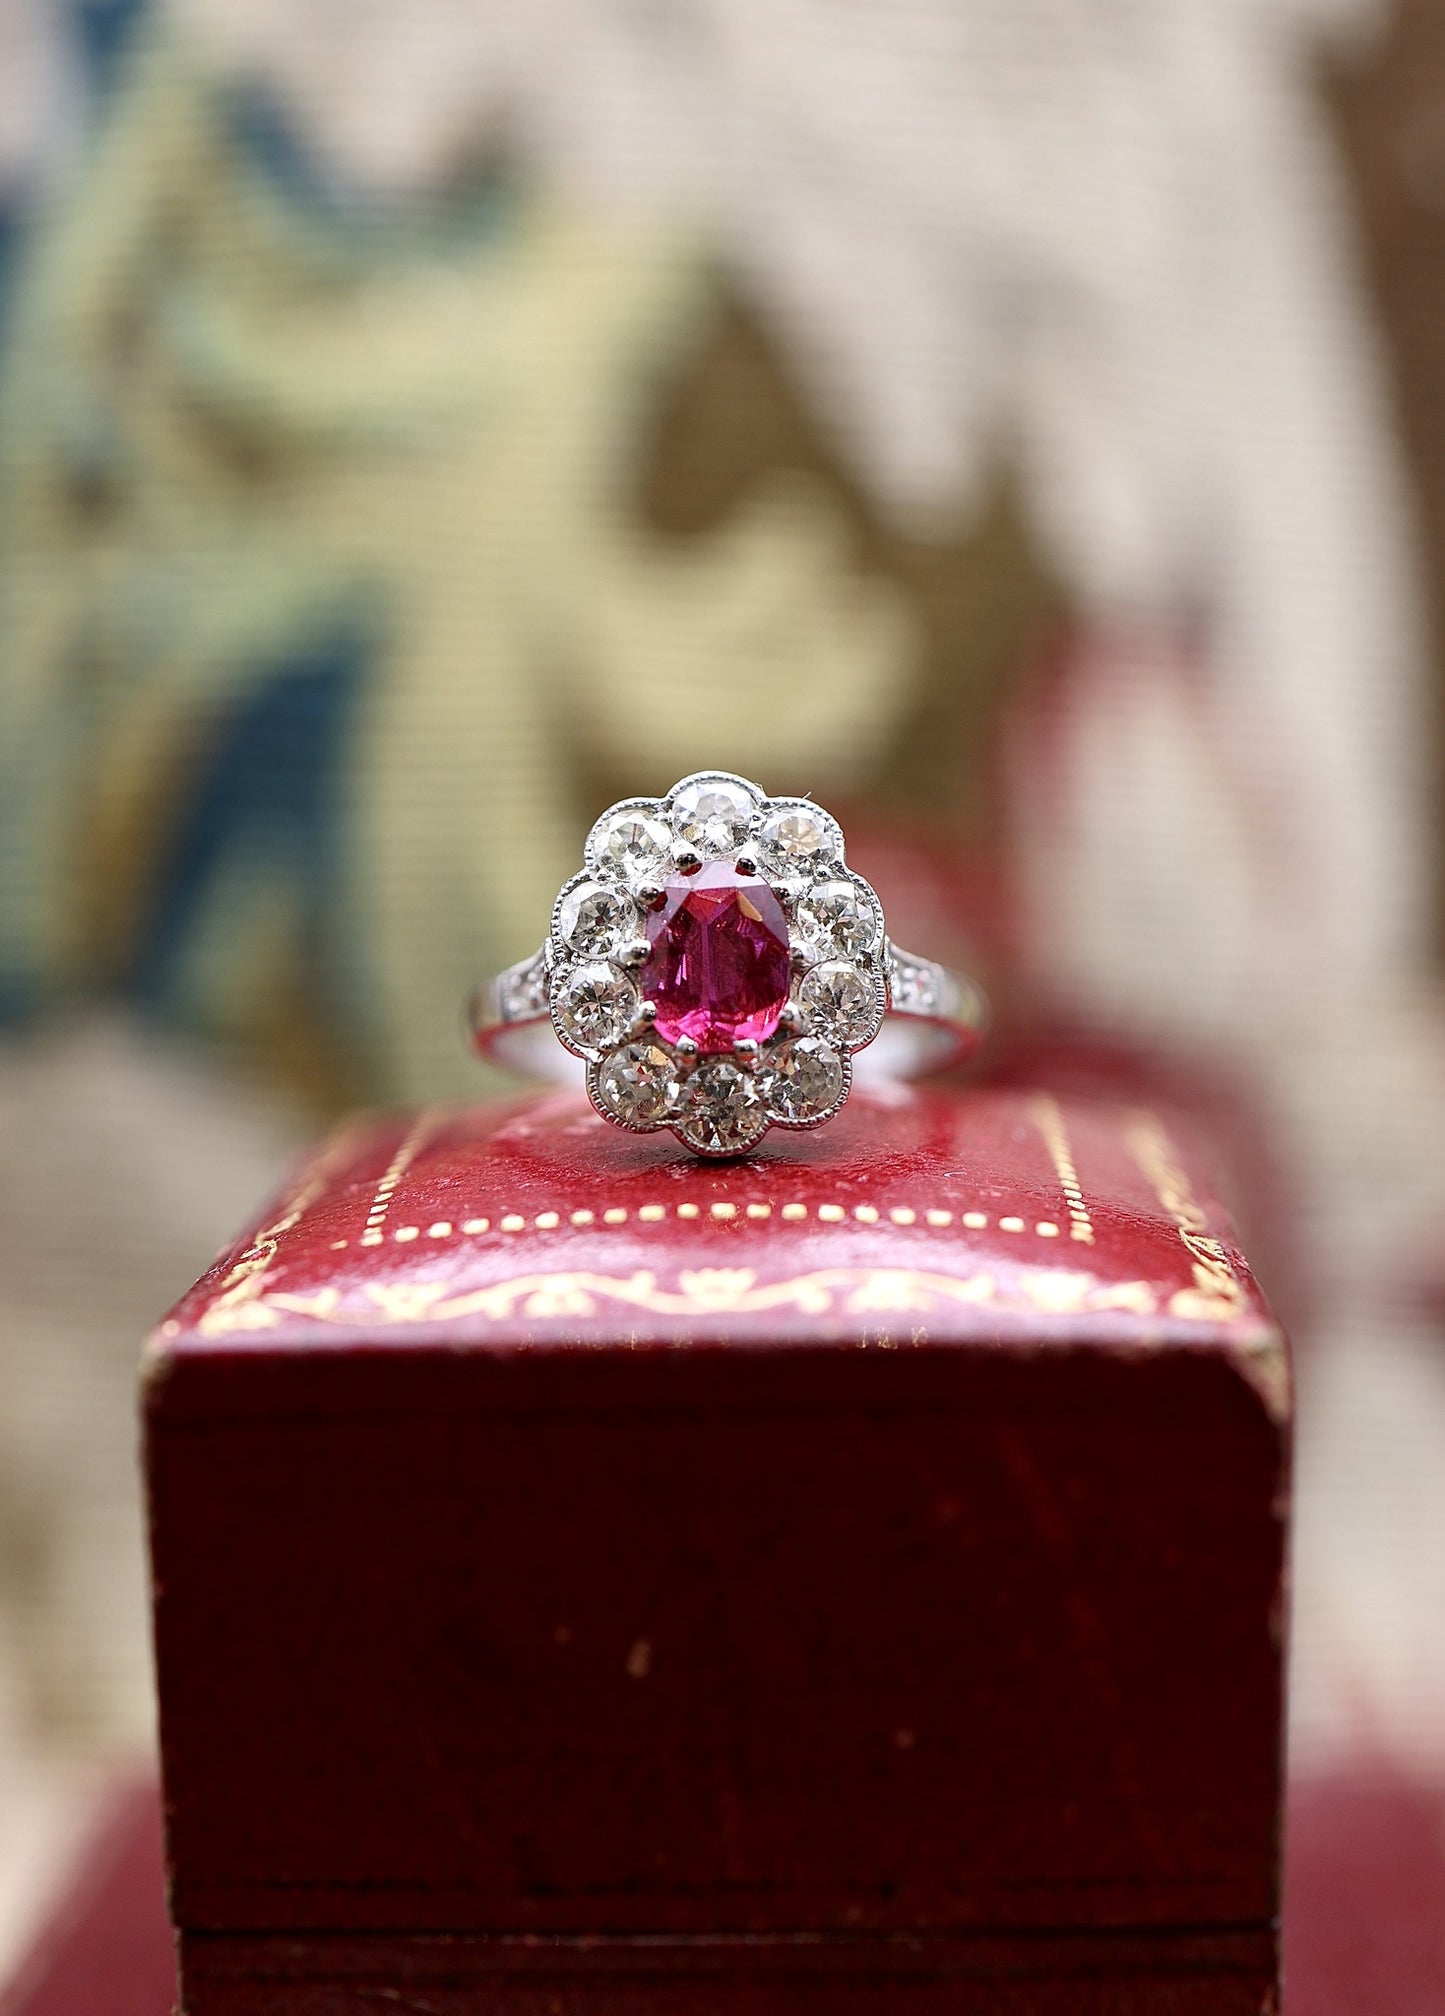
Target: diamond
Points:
(841, 1002)
(594, 921)
(638, 1084)
(840, 919)
(522, 989)
(797, 840)
(918, 988)
(596, 1006)
(711, 815)
(801, 1077)
(726, 1114)
(718, 969)
(633, 844)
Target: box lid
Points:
(928, 1217)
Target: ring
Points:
(716, 966)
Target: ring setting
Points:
(716, 965)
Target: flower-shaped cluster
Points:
(716, 964)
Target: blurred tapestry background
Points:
(1022, 424)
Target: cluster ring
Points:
(716, 966)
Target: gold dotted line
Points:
(1049, 1120)
(406, 1151)
(721, 1212)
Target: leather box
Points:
(850, 1580)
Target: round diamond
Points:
(633, 844)
(840, 919)
(801, 1078)
(726, 1114)
(711, 815)
(841, 1002)
(638, 1084)
(593, 921)
(797, 840)
(718, 968)
(596, 1006)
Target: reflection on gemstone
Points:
(718, 969)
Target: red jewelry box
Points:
(1364, 1913)
(847, 1580)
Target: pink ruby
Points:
(718, 968)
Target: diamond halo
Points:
(716, 965)
(715, 910)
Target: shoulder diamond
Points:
(596, 1006)
(522, 990)
(842, 1003)
(802, 1078)
(594, 921)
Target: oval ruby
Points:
(718, 970)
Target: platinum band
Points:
(935, 1020)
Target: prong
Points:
(646, 1016)
(801, 958)
(790, 1017)
(746, 864)
(685, 1046)
(746, 1047)
(685, 859)
(635, 953)
(649, 894)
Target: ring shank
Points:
(935, 1020)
